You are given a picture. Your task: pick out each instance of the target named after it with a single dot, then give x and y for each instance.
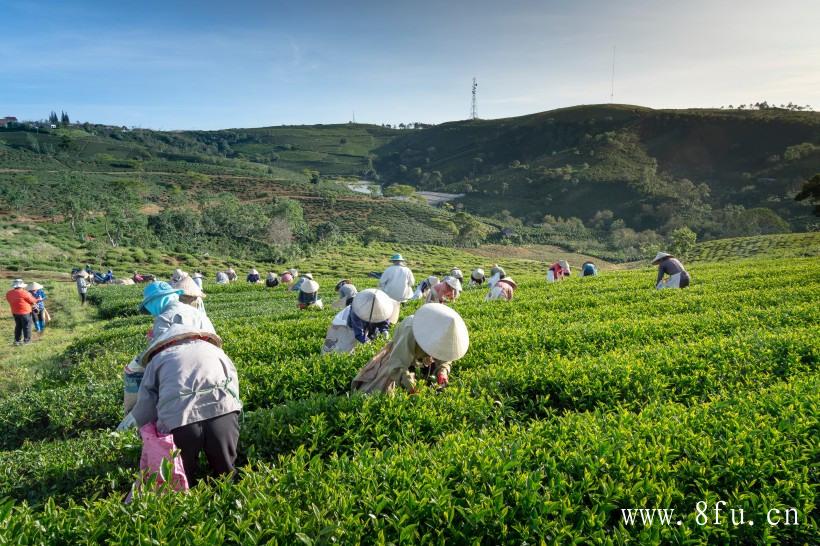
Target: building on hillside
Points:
(8, 121)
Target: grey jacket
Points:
(188, 382)
(82, 285)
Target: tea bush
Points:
(575, 400)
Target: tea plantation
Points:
(575, 400)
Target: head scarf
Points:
(158, 305)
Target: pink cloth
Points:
(155, 448)
(286, 278)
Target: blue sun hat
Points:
(156, 297)
(397, 258)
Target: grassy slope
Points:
(19, 366)
(616, 142)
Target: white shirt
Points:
(398, 281)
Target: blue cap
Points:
(397, 258)
(155, 290)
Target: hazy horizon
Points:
(208, 65)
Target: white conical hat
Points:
(254, 272)
(374, 305)
(179, 274)
(440, 332)
(18, 283)
(477, 273)
(456, 272)
(660, 256)
(36, 286)
(453, 282)
(309, 286)
(189, 287)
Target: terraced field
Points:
(576, 400)
(774, 246)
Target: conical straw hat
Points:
(373, 305)
(510, 281)
(309, 287)
(660, 256)
(453, 282)
(440, 332)
(189, 287)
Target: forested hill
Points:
(653, 169)
(612, 181)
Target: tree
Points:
(682, 241)
(64, 119)
(327, 231)
(374, 233)
(470, 230)
(52, 118)
(811, 192)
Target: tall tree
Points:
(811, 192)
(64, 119)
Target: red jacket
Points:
(20, 301)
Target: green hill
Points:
(611, 181)
(654, 169)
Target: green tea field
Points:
(576, 401)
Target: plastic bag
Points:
(156, 448)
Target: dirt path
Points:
(19, 366)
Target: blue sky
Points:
(208, 64)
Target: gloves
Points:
(127, 422)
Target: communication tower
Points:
(473, 114)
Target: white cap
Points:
(440, 332)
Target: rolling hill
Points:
(612, 181)
(654, 169)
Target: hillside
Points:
(653, 169)
(575, 400)
(609, 181)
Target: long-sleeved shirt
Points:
(669, 266)
(308, 298)
(41, 297)
(500, 291)
(364, 331)
(20, 301)
(186, 383)
(398, 281)
(396, 364)
(441, 293)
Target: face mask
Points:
(158, 305)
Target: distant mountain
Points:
(652, 168)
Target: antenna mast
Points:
(612, 86)
(473, 114)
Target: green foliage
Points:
(374, 233)
(553, 420)
(683, 241)
(811, 192)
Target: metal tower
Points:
(473, 114)
(612, 86)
